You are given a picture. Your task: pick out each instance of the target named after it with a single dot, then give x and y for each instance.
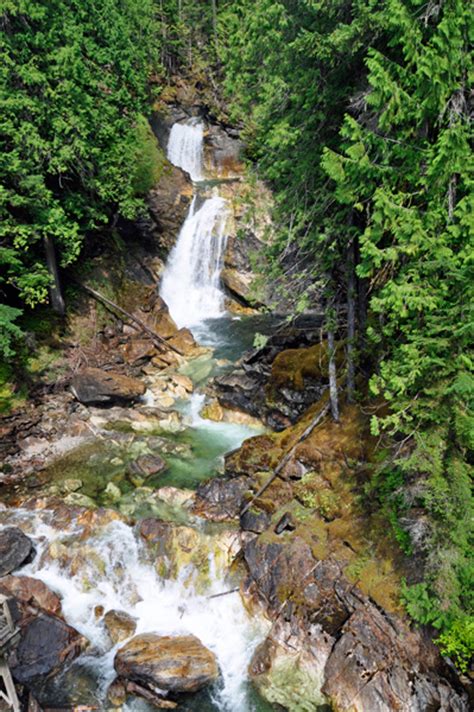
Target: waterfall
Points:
(185, 148)
(191, 280)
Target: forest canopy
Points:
(359, 115)
(74, 83)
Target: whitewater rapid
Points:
(117, 573)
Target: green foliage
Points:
(10, 332)
(259, 341)
(73, 86)
(420, 604)
(358, 115)
(387, 485)
(291, 67)
(458, 642)
(149, 160)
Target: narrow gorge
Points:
(133, 549)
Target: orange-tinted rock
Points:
(120, 625)
(174, 664)
(32, 591)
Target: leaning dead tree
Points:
(287, 457)
(113, 307)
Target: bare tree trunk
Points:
(333, 377)
(351, 308)
(214, 17)
(55, 294)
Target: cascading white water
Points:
(115, 574)
(191, 281)
(185, 148)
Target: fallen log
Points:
(306, 433)
(110, 305)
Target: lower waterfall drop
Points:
(191, 281)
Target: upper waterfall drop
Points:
(185, 148)
(191, 280)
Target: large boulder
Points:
(239, 284)
(46, 644)
(278, 382)
(15, 549)
(223, 151)
(173, 665)
(92, 385)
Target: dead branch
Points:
(110, 305)
(306, 433)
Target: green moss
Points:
(150, 160)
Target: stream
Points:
(110, 567)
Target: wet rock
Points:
(220, 499)
(93, 385)
(175, 496)
(120, 689)
(183, 381)
(46, 644)
(15, 549)
(29, 591)
(71, 485)
(112, 492)
(277, 382)
(183, 341)
(172, 664)
(77, 499)
(286, 523)
(148, 465)
(168, 204)
(120, 625)
(224, 151)
(288, 667)
(239, 284)
(154, 530)
(116, 693)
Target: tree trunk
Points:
(214, 17)
(351, 309)
(333, 377)
(55, 294)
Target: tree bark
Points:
(333, 397)
(214, 17)
(55, 293)
(351, 309)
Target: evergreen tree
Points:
(73, 84)
(404, 166)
